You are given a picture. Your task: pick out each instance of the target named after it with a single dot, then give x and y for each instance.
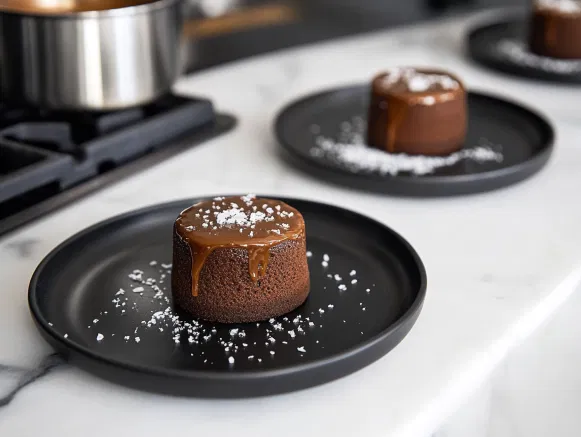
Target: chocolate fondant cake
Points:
(417, 111)
(555, 29)
(239, 259)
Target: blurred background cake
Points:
(555, 29)
(417, 111)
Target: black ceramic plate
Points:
(502, 46)
(344, 325)
(518, 143)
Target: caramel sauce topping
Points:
(405, 87)
(237, 222)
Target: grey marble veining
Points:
(23, 248)
(19, 378)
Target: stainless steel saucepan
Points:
(89, 54)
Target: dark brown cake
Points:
(417, 111)
(555, 29)
(239, 259)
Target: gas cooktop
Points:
(48, 159)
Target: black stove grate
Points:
(48, 159)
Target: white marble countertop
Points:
(498, 263)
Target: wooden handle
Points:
(245, 19)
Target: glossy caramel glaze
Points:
(237, 222)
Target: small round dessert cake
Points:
(555, 29)
(417, 111)
(239, 259)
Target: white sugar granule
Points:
(326, 257)
(352, 273)
(301, 349)
(100, 337)
(137, 339)
(137, 276)
(309, 254)
(325, 264)
(138, 289)
(231, 360)
(417, 81)
(518, 52)
(342, 287)
(354, 281)
(359, 158)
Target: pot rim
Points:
(145, 8)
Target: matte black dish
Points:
(524, 137)
(77, 283)
(502, 46)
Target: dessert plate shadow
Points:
(94, 297)
(501, 45)
(515, 142)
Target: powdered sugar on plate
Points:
(152, 314)
(351, 153)
(518, 52)
(144, 319)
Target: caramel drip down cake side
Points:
(238, 251)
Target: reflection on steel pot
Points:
(89, 54)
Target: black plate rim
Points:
(475, 31)
(538, 160)
(67, 344)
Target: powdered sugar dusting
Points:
(417, 81)
(519, 53)
(351, 153)
(153, 319)
(245, 215)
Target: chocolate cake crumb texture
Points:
(351, 152)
